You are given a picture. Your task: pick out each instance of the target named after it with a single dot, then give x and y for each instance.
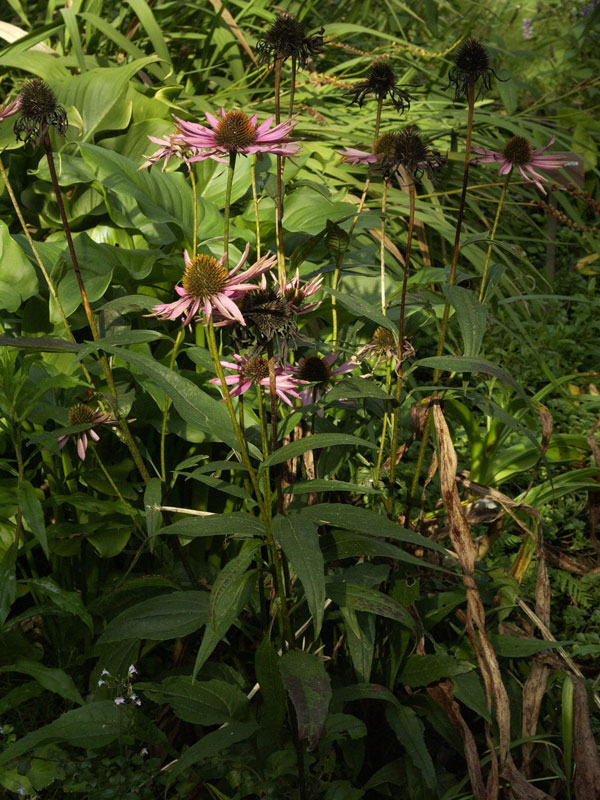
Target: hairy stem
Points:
(227, 210)
(382, 247)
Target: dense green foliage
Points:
(388, 588)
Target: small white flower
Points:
(1, 730)
(144, 751)
(132, 670)
(119, 701)
(133, 696)
(138, 702)
(105, 672)
(101, 682)
(21, 790)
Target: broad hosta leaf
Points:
(421, 670)
(55, 680)
(299, 539)
(365, 521)
(266, 665)
(314, 443)
(306, 211)
(18, 280)
(31, 508)
(471, 316)
(228, 597)
(212, 744)
(361, 598)
(203, 703)
(308, 686)
(167, 616)
(410, 732)
(216, 525)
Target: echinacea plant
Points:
(38, 111)
(287, 38)
(518, 152)
(82, 414)
(207, 286)
(234, 132)
(381, 83)
(318, 371)
(254, 370)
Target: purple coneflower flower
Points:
(10, 109)
(384, 346)
(171, 145)
(82, 414)
(296, 293)
(517, 152)
(236, 133)
(249, 371)
(207, 285)
(354, 156)
(317, 370)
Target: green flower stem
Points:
(400, 378)
(342, 253)
(382, 247)
(493, 234)
(388, 386)
(89, 314)
(292, 87)
(163, 430)
(255, 203)
(274, 436)
(227, 211)
(195, 210)
(279, 172)
(444, 325)
(115, 489)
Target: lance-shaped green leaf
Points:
(471, 316)
(309, 688)
(228, 597)
(362, 309)
(299, 539)
(212, 744)
(410, 732)
(238, 522)
(315, 442)
(69, 602)
(166, 616)
(205, 703)
(361, 598)
(424, 669)
(31, 508)
(460, 364)
(266, 666)
(55, 680)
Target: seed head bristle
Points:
(204, 276)
(315, 369)
(235, 131)
(81, 414)
(518, 151)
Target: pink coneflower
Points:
(171, 145)
(354, 156)
(317, 370)
(295, 293)
(82, 414)
(10, 109)
(207, 285)
(385, 347)
(250, 371)
(517, 152)
(236, 133)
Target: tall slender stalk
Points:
(382, 246)
(89, 314)
(195, 211)
(227, 210)
(400, 376)
(279, 190)
(163, 429)
(444, 324)
(274, 436)
(343, 251)
(255, 203)
(493, 234)
(292, 87)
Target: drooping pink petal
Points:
(81, 445)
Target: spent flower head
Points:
(384, 346)
(518, 152)
(39, 110)
(82, 414)
(207, 286)
(318, 371)
(287, 38)
(234, 132)
(381, 83)
(471, 64)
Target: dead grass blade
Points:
(585, 752)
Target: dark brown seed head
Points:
(39, 110)
(315, 370)
(235, 131)
(471, 64)
(81, 414)
(204, 277)
(518, 151)
(286, 38)
(385, 146)
(256, 369)
(381, 83)
(268, 313)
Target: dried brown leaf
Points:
(585, 751)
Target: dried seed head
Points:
(81, 414)
(471, 64)
(286, 38)
(256, 369)
(204, 277)
(315, 370)
(39, 110)
(381, 82)
(518, 151)
(235, 131)
(407, 149)
(385, 146)
(269, 314)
